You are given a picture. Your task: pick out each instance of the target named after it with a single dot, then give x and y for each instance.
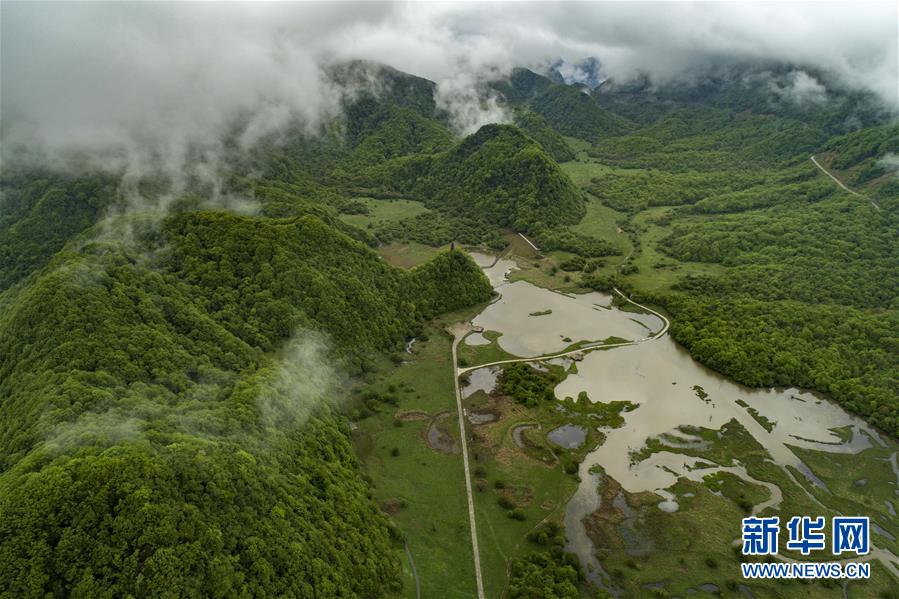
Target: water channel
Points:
(670, 389)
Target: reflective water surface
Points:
(670, 389)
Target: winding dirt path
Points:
(414, 572)
(459, 331)
(581, 350)
(840, 183)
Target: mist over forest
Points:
(245, 248)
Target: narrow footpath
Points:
(840, 183)
(584, 349)
(458, 332)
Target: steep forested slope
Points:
(867, 159)
(39, 211)
(536, 127)
(262, 278)
(574, 112)
(498, 175)
(167, 417)
(569, 109)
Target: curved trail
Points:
(414, 572)
(459, 331)
(841, 184)
(585, 349)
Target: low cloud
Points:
(302, 383)
(890, 163)
(102, 429)
(151, 87)
(470, 103)
(801, 89)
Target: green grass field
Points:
(434, 518)
(408, 255)
(657, 271)
(382, 211)
(602, 222)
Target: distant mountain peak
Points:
(587, 72)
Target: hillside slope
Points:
(498, 175)
(170, 423)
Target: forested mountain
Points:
(787, 91)
(569, 109)
(168, 420)
(171, 384)
(498, 175)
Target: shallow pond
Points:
(476, 339)
(482, 417)
(569, 436)
(518, 433)
(481, 379)
(495, 268)
(643, 374)
(586, 317)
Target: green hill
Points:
(568, 109)
(498, 175)
(168, 418)
(521, 86)
(574, 112)
(366, 78)
(536, 127)
(382, 132)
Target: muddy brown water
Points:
(586, 317)
(642, 374)
(476, 339)
(482, 379)
(670, 389)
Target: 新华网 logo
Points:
(848, 535)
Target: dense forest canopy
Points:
(169, 412)
(498, 175)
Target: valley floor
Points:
(522, 480)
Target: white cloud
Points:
(890, 162)
(149, 85)
(469, 103)
(801, 89)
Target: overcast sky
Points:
(125, 77)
